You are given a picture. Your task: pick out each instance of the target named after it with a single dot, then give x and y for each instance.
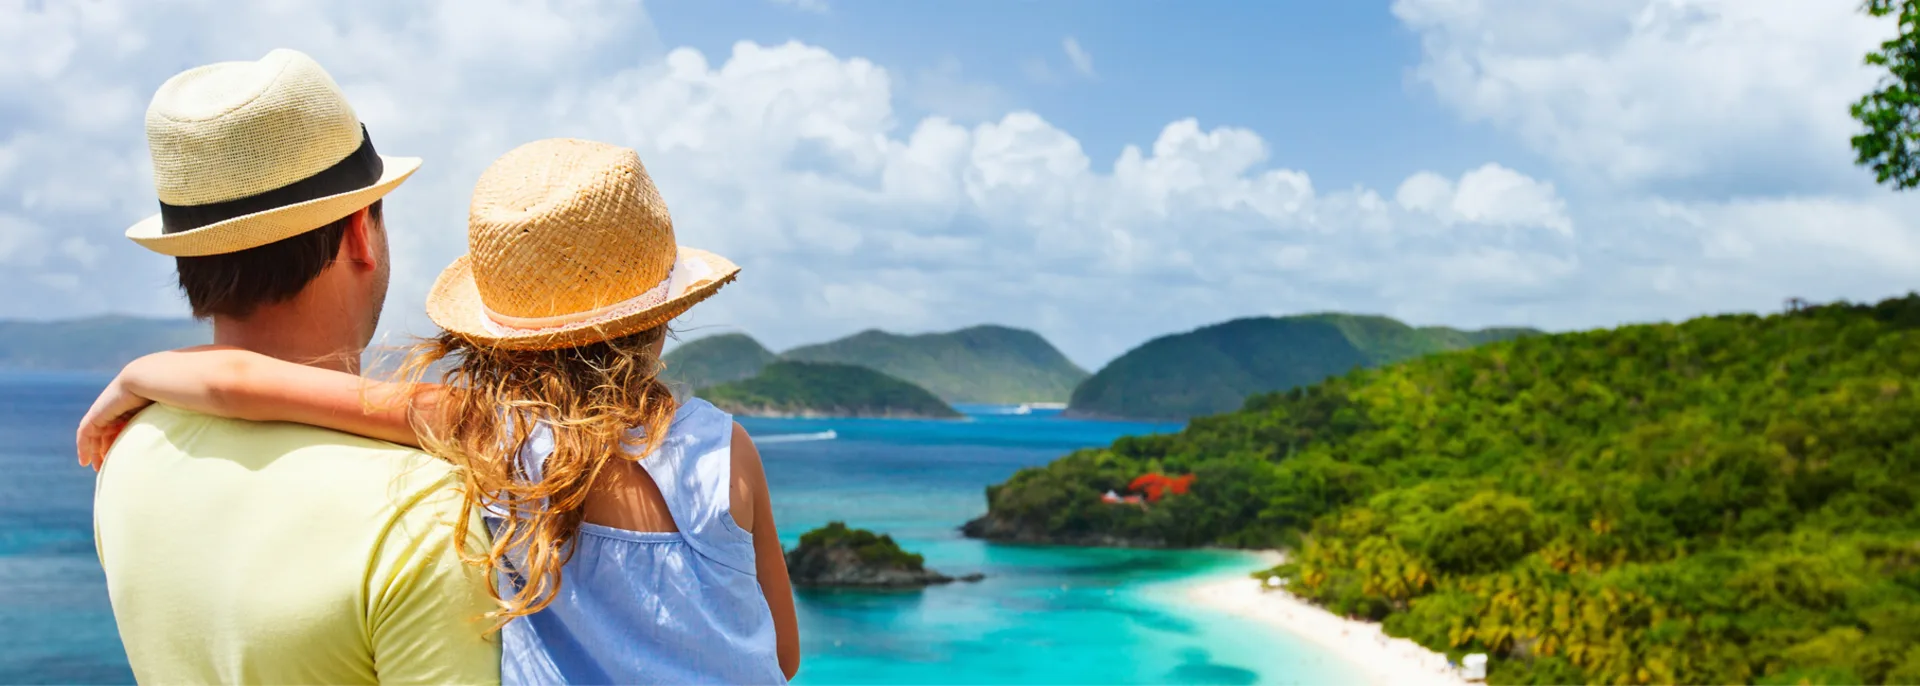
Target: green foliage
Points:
(93, 344)
(715, 360)
(808, 388)
(1215, 368)
(1733, 499)
(982, 364)
(1384, 340)
(1484, 533)
(877, 549)
(1891, 113)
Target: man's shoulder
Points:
(167, 428)
(170, 419)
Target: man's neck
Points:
(292, 333)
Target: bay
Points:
(1044, 615)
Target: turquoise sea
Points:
(1043, 616)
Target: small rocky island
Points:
(818, 389)
(836, 555)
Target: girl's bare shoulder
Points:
(749, 478)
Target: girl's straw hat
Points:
(568, 244)
(249, 153)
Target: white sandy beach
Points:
(1383, 659)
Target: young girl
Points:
(654, 512)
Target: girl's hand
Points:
(105, 420)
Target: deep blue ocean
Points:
(1044, 615)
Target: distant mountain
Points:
(811, 389)
(715, 360)
(982, 364)
(1385, 340)
(93, 344)
(1213, 369)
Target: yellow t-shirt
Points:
(243, 552)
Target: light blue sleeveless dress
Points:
(655, 608)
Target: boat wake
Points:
(827, 435)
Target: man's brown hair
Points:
(236, 284)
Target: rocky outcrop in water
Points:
(838, 556)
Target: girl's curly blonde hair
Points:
(601, 402)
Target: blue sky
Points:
(1325, 82)
(1100, 172)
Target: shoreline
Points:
(1381, 659)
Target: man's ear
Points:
(356, 246)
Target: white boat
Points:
(827, 435)
(1023, 408)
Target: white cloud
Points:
(1215, 170)
(848, 214)
(1809, 236)
(1426, 192)
(21, 241)
(1491, 195)
(1078, 57)
(80, 250)
(1704, 97)
(1079, 63)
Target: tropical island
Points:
(1732, 499)
(874, 373)
(838, 556)
(809, 389)
(715, 360)
(1215, 368)
(981, 364)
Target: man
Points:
(275, 553)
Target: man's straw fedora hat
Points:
(569, 244)
(249, 153)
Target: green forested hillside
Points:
(712, 360)
(93, 344)
(1213, 369)
(1733, 499)
(1384, 340)
(819, 389)
(982, 364)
